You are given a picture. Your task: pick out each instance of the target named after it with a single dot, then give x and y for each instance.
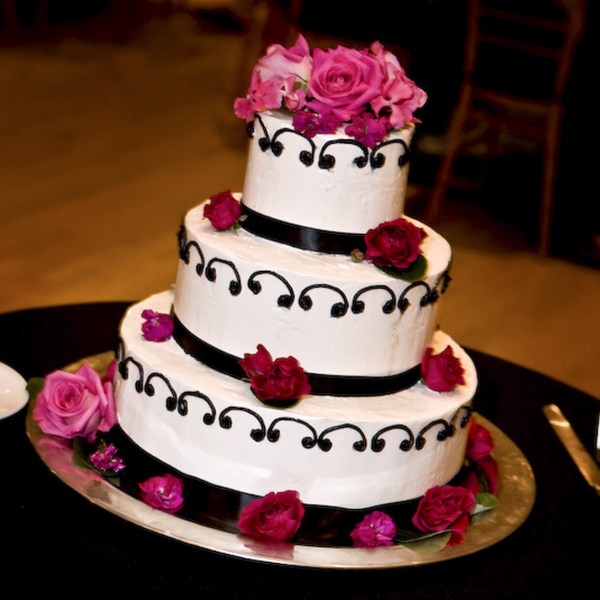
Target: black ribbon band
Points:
(321, 385)
(299, 236)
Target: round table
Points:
(54, 539)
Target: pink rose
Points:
(489, 468)
(345, 79)
(277, 516)
(400, 97)
(277, 79)
(442, 372)
(222, 211)
(158, 327)
(75, 404)
(106, 459)
(279, 63)
(275, 381)
(394, 243)
(164, 493)
(480, 442)
(444, 508)
(376, 529)
(110, 372)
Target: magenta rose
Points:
(344, 79)
(275, 381)
(277, 516)
(442, 372)
(222, 211)
(376, 529)
(74, 405)
(163, 492)
(157, 327)
(480, 442)
(479, 447)
(444, 508)
(394, 243)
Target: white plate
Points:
(13, 391)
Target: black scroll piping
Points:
(321, 385)
(299, 236)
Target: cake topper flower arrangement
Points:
(367, 92)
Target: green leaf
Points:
(414, 273)
(427, 543)
(34, 386)
(484, 501)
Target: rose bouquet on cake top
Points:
(365, 92)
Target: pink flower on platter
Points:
(107, 459)
(158, 327)
(489, 468)
(223, 210)
(480, 442)
(277, 516)
(345, 79)
(163, 492)
(394, 243)
(368, 130)
(275, 381)
(376, 529)
(110, 372)
(479, 447)
(444, 508)
(75, 404)
(442, 372)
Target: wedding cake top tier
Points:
(330, 182)
(330, 136)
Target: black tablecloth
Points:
(54, 540)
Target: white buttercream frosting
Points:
(344, 198)
(367, 343)
(226, 454)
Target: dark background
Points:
(433, 34)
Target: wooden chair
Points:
(499, 116)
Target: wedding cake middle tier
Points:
(355, 329)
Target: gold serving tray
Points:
(516, 497)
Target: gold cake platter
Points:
(516, 497)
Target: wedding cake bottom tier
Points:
(349, 452)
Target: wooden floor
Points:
(104, 146)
